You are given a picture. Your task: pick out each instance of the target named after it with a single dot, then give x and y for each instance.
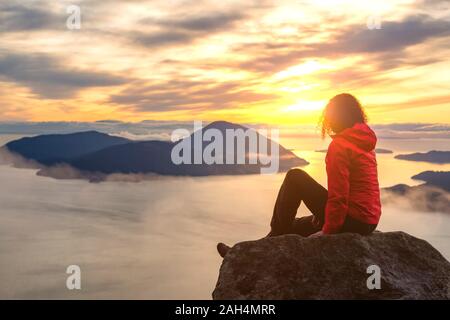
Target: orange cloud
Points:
(258, 61)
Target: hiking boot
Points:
(222, 248)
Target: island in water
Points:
(93, 155)
(439, 157)
(433, 195)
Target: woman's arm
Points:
(338, 187)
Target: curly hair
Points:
(342, 111)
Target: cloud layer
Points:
(162, 130)
(265, 61)
(50, 78)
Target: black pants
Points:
(298, 186)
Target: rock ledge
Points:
(333, 267)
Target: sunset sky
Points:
(262, 61)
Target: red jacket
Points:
(352, 178)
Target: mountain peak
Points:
(223, 125)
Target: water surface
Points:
(154, 239)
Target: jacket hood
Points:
(360, 135)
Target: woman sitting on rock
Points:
(352, 202)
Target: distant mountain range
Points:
(100, 153)
(377, 150)
(431, 156)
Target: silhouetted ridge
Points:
(435, 178)
(223, 125)
(133, 157)
(55, 148)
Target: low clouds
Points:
(184, 30)
(393, 36)
(50, 78)
(202, 23)
(424, 198)
(163, 38)
(188, 94)
(422, 102)
(161, 130)
(148, 129)
(385, 43)
(412, 131)
(15, 17)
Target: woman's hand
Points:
(317, 234)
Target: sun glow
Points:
(305, 106)
(305, 68)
